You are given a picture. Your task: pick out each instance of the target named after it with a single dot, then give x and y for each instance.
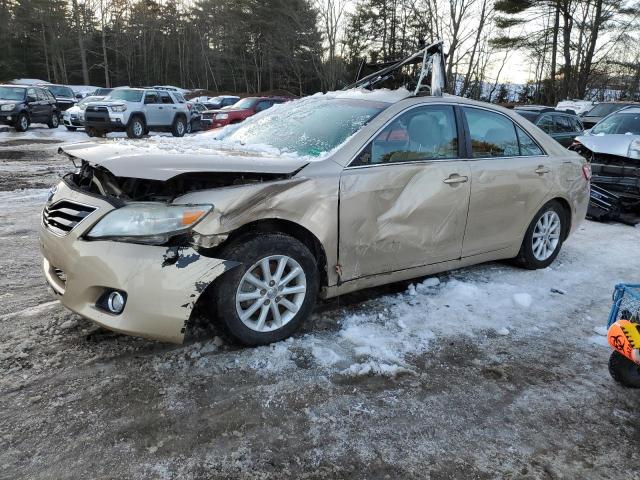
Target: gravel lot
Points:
(486, 373)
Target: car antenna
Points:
(432, 59)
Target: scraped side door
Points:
(404, 198)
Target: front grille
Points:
(97, 109)
(63, 216)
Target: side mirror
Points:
(79, 96)
(31, 98)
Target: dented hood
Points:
(155, 164)
(608, 144)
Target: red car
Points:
(238, 111)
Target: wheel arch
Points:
(137, 114)
(293, 229)
(566, 206)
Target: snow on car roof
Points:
(379, 95)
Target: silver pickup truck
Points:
(137, 111)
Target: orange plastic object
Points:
(624, 336)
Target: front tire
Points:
(136, 127)
(624, 371)
(54, 121)
(179, 127)
(269, 296)
(544, 237)
(22, 124)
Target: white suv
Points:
(137, 111)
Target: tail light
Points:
(586, 171)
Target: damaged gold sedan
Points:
(321, 196)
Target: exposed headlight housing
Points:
(118, 108)
(222, 116)
(8, 107)
(150, 223)
(634, 150)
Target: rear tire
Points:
(22, 123)
(179, 127)
(624, 371)
(136, 127)
(277, 314)
(54, 121)
(543, 239)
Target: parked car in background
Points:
(65, 98)
(258, 236)
(101, 92)
(601, 110)
(221, 101)
(73, 118)
(137, 111)
(612, 147)
(195, 124)
(239, 111)
(20, 106)
(580, 107)
(560, 125)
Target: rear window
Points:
(531, 116)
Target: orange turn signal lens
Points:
(191, 216)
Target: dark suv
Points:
(22, 105)
(563, 126)
(65, 98)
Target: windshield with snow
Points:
(126, 94)
(11, 93)
(620, 123)
(309, 126)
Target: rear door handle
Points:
(159, 108)
(455, 178)
(541, 170)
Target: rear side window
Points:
(165, 98)
(546, 123)
(492, 134)
(527, 146)
(563, 124)
(263, 105)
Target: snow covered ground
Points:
(486, 372)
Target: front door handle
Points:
(455, 178)
(541, 170)
(159, 108)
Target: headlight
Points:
(222, 116)
(148, 222)
(634, 150)
(8, 107)
(118, 108)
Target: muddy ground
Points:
(533, 400)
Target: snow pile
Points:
(377, 95)
(27, 81)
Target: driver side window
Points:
(423, 133)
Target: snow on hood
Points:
(154, 163)
(609, 144)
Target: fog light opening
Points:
(115, 302)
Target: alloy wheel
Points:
(24, 122)
(137, 129)
(546, 235)
(270, 293)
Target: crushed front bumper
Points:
(162, 284)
